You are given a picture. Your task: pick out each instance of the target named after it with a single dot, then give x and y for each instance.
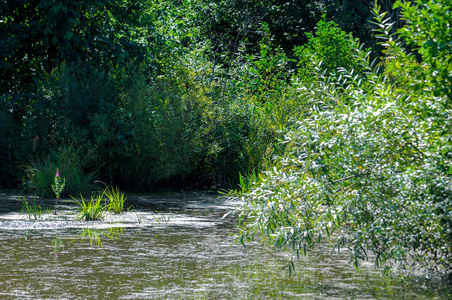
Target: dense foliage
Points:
(147, 93)
(369, 166)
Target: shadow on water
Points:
(186, 251)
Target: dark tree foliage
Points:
(38, 35)
(66, 81)
(228, 23)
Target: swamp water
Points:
(185, 251)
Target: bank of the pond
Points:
(186, 250)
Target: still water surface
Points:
(185, 251)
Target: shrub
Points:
(256, 102)
(166, 124)
(39, 175)
(327, 50)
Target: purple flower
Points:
(57, 174)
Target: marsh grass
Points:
(246, 182)
(33, 210)
(115, 199)
(108, 199)
(39, 176)
(160, 218)
(139, 217)
(90, 210)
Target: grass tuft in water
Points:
(116, 200)
(90, 210)
(33, 210)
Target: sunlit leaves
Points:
(326, 51)
(429, 32)
(371, 170)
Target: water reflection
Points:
(57, 245)
(93, 236)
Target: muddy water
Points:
(184, 251)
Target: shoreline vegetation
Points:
(328, 126)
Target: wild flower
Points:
(58, 186)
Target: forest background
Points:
(328, 116)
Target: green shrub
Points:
(327, 50)
(428, 32)
(368, 177)
(81, 106)
(166, 126)
(254, 105)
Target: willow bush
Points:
(369, 168)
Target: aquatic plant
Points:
(116, 200)
(90, 210)
(161, 220)
(32, 210)
(139, 217)
(57, 187)
(58, 184)
(108, 199)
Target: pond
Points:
(167, 247)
